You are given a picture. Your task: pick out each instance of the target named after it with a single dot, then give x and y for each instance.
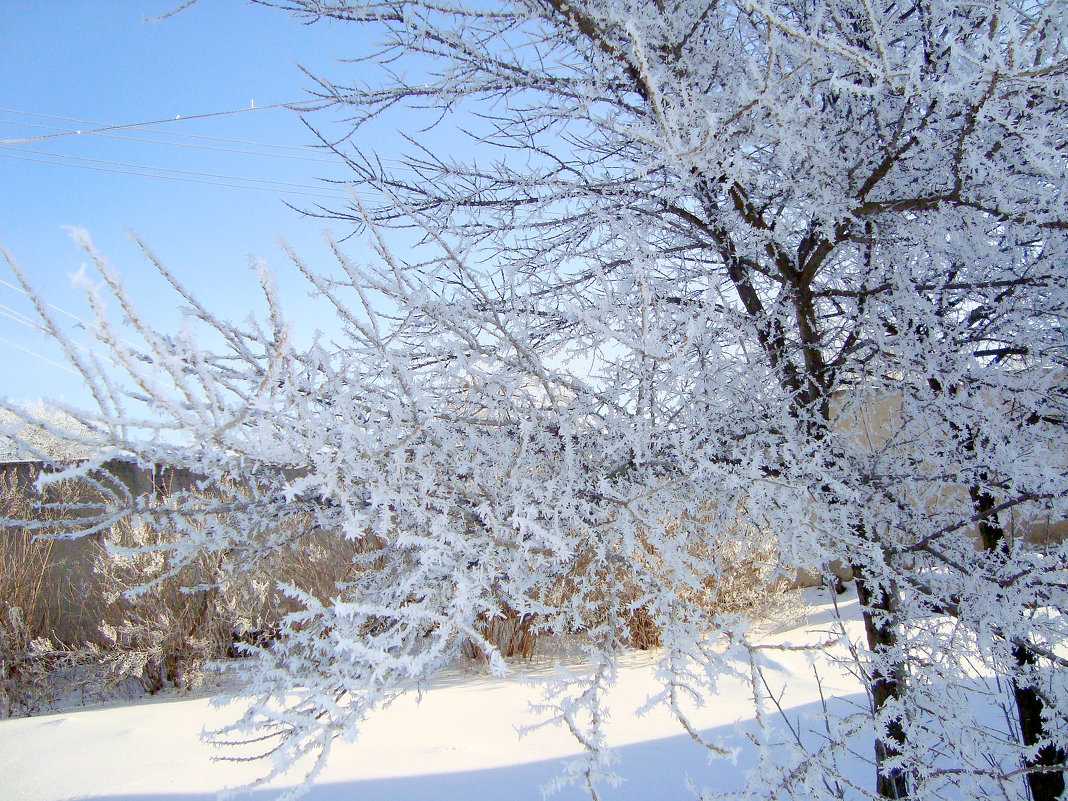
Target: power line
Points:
(18, 317)
(265, 181)
(37, 328)
(187, 177)
(66, 367)
(22, 291)
(104, 130)
(141, 170)
(24, 319)
(322, 191)
(309, 104)
(31, 323)
(102, 126)
(150, 141)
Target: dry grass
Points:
(740, 570)
(25, 565)
(512, 634)
(170, 632)
(37, 638)
(165, 635)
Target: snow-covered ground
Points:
(457, 741)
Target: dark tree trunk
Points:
(1046, 768)
(887, 683)
(1046, 776)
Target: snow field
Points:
(457, 739)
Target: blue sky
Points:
(74, 65)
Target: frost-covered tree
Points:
(39, 433)
(717, 275)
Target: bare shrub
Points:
(24, 562)
(110, 604)
(514, 635)
(37, 672)
(163, 626)
(643, 632)
(168, 625)
(314, 560)
(44, 636)
(748, 580)
(22, 680)
(740, 562)
(24, 566)
(23, 615)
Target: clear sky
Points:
(68, 65)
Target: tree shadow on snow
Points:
(659, 768)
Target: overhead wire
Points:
(149, 123)
(43, 358)
(23, 319)
(30, 322)
(214, 148)
(291, 152)
(9, 149)
(22, 291)
(191, 176)
(107, 130)
(104, 129)
(17, 316)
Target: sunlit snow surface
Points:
(457, 741)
